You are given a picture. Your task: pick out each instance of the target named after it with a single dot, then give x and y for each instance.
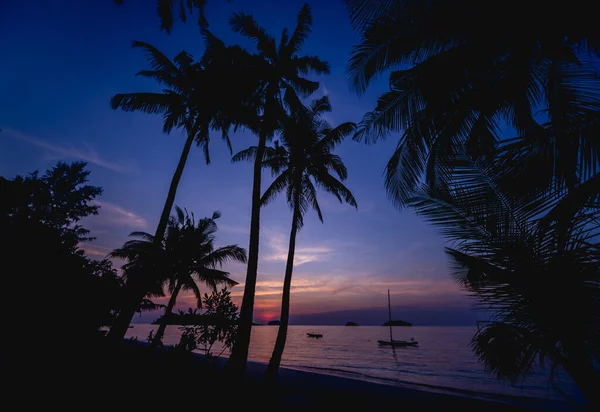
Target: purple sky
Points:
(63, 60)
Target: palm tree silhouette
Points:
(459, 79)
(533, 262)
(166, 10)
(281, 69)
(300, 164)
(186, 255)
(183, 106)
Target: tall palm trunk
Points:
(137, 289)
(239, 355)
(168, 310)
(273, 368)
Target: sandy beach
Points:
(136, 378)
(304, 389)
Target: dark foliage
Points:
(462, 75)
(218, 323)
(53, 293)
(535, 269)
(168, 10)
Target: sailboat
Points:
(392, 342)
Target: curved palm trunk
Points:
(273, 368)
(168, 310)
(239, 355)
(136, 290)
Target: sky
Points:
(63, 60)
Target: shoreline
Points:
(310, 387)
(71, 374)
(437, 387)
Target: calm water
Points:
(443, 359)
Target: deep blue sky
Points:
(62, 60)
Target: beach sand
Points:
(135, 378)
(303, 390)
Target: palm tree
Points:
(182, 79)
(281, 69)
(184, 105)
(303, 162)
(533, 262)
(187, 255)
(462, 75)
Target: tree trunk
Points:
(119, 327)
(137, 289)
(168, 310)
(239, 355)
(272, 370)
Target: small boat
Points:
(395, 343)
(314, 335)
(398, 343)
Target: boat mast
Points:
(390, 314)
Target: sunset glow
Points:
(345, 264)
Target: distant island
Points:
(184, 319)
(273, 322)
(192, 318)
(397, 323)
(351, 324)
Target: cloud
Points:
(244, 230)
(339, 292)
(86, 153)
(115, 215)
(278, 245)
(95, 250)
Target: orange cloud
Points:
(334, 292)
(278, 245)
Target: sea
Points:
(443, 362)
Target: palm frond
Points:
(395, 40)
(143, 235)
(222, 255)
(310, 194)
(504, 352)
(152, 103)
(246, 25)
(334, 163)
(279, 184)
(301, 31)
(336, 188)
(158, 61)
(180, 215)
(215, 277)
(166, 11)
(333, 137)
(405, 168)
(395, 110)
(245, 155)
(364, 12)
(303, 86)
(320, 105)
(312, 64)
